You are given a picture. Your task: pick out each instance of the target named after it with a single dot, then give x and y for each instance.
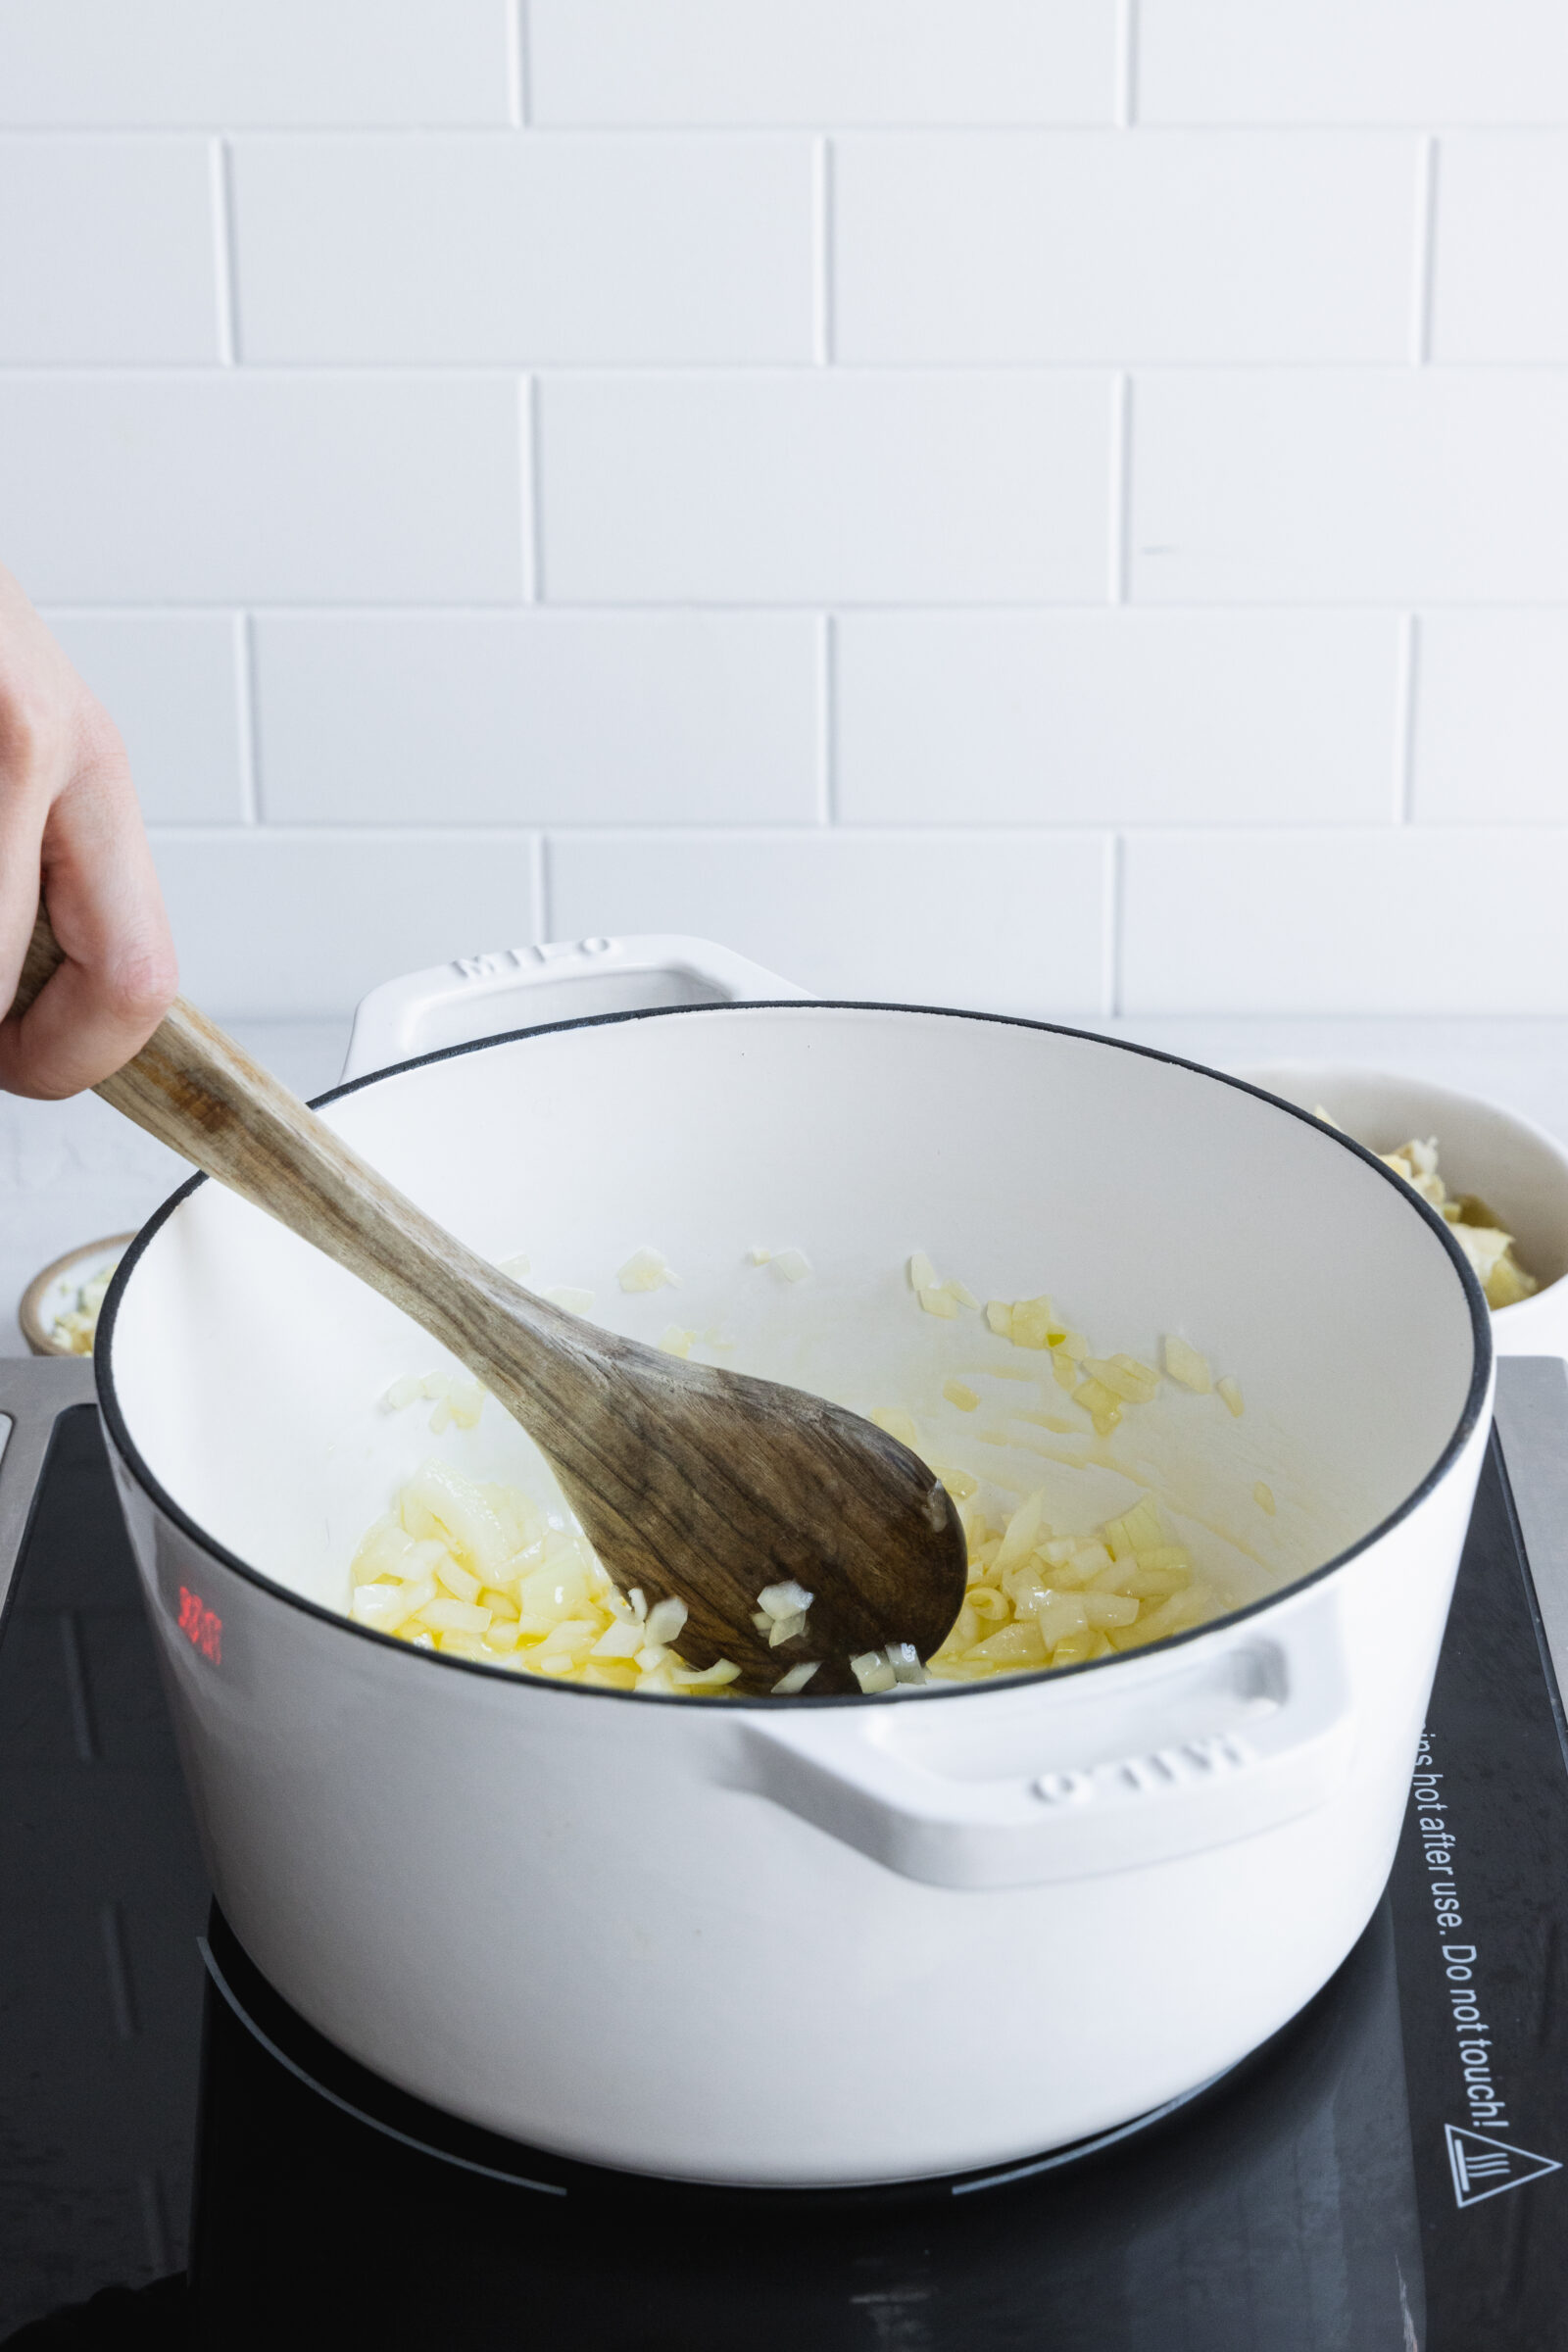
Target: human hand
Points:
(71, 832)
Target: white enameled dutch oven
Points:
(836, 1941)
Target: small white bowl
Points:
(1515, 1167)
(55, 1291)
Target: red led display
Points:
(202, 1626)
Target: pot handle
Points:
(561, 980)
(34, 1394)
(1035, 1784)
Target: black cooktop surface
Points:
(1388, 2172)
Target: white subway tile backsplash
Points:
(1012, 922)
(278, 926)
(525, 718)
(1492, 718)
(106, 250)
(1128, 718)
(813, 472)
(1353, 61)
(1321, 487)
(832, 486)
(83, 62)
(1089, 245)
(172, 683)
(1408, 920)
(823, 60)
(230, 487)
(595, 248)
(1499, 289)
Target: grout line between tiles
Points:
(1115, 908)
(1127, 63)
(482, 833)
(1121, 491)
(604, 131)
(220, 167)
(532, 485)
(1409, 681)
(822, 253)
(518, 61)
(250, 750)
(543, 888)
(398, 366)
(827, 719)
(638, 371)
(620, 608)
(1427, 255)
(338, 833)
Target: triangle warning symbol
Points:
(1484, 2168)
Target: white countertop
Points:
(72, 1172)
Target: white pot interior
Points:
(1144, 1196)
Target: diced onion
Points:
(481, 1573)
(380, 1605)
(1124, 1376)
(456, 1399)
(1185, 1366)
(646, 1270)
(446, 1616)
(796, 1680)
(461, 1583)
(665, 1620)
(788, 1600)
(960, 1484)
(937, 1297)
(624, 1638)
(711, 1677)
(873, 1672)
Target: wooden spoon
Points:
(688, 1481)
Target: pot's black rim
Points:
(125, 1447)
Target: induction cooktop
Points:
(184, 2161)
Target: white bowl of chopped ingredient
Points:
(59, 1310)
(1501, 1181)
(1209, 1383)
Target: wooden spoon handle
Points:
(686, 1478)
(195, 1089)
